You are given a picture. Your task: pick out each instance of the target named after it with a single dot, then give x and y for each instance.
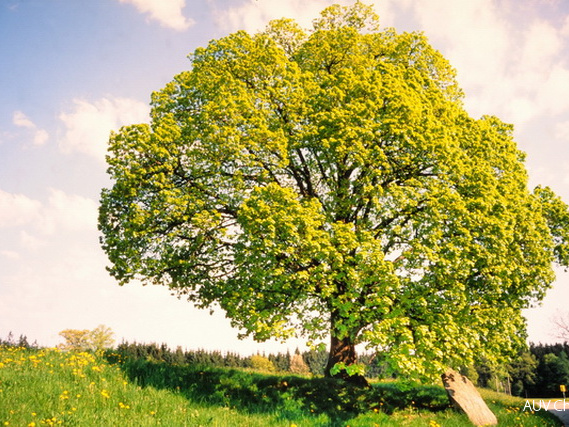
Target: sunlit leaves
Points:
(331, 182)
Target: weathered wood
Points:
(464, 397)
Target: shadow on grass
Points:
(290, 397)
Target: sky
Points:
(73, 70)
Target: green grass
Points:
(49, 387)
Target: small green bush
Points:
(262, 364)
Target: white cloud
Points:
(21, 120)
(553, 92)
(562, 131)
(4, 136)
(17, 209)
(11, 255)
(30, 242)
(566, 175)
(68, 212)
(88, 125)
(542, 45)
(253, 15)
(521, 109)
(167, 12)
(565, 29)
(40, 136)
(62, 212)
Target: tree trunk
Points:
(343, 350)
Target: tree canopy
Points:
(330, 184)
(99, 338)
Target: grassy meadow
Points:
(47, 387)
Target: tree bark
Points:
(344, 350)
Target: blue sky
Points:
(71, 71)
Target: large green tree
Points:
(329, 184)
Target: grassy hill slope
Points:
(50, 387)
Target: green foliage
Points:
(557, 216)
(99, 338)
(536, 373)
(280, 361)
(330, 182)
(316, 360)
(162, 353)
(75, 339)
(523, 373)
(351, 370)
(471, 373)
(21, 342)
(552, 371)
(262, 364)
(328, 400)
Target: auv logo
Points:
(546, 405)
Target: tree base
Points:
(343, 351)
(355, 380)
